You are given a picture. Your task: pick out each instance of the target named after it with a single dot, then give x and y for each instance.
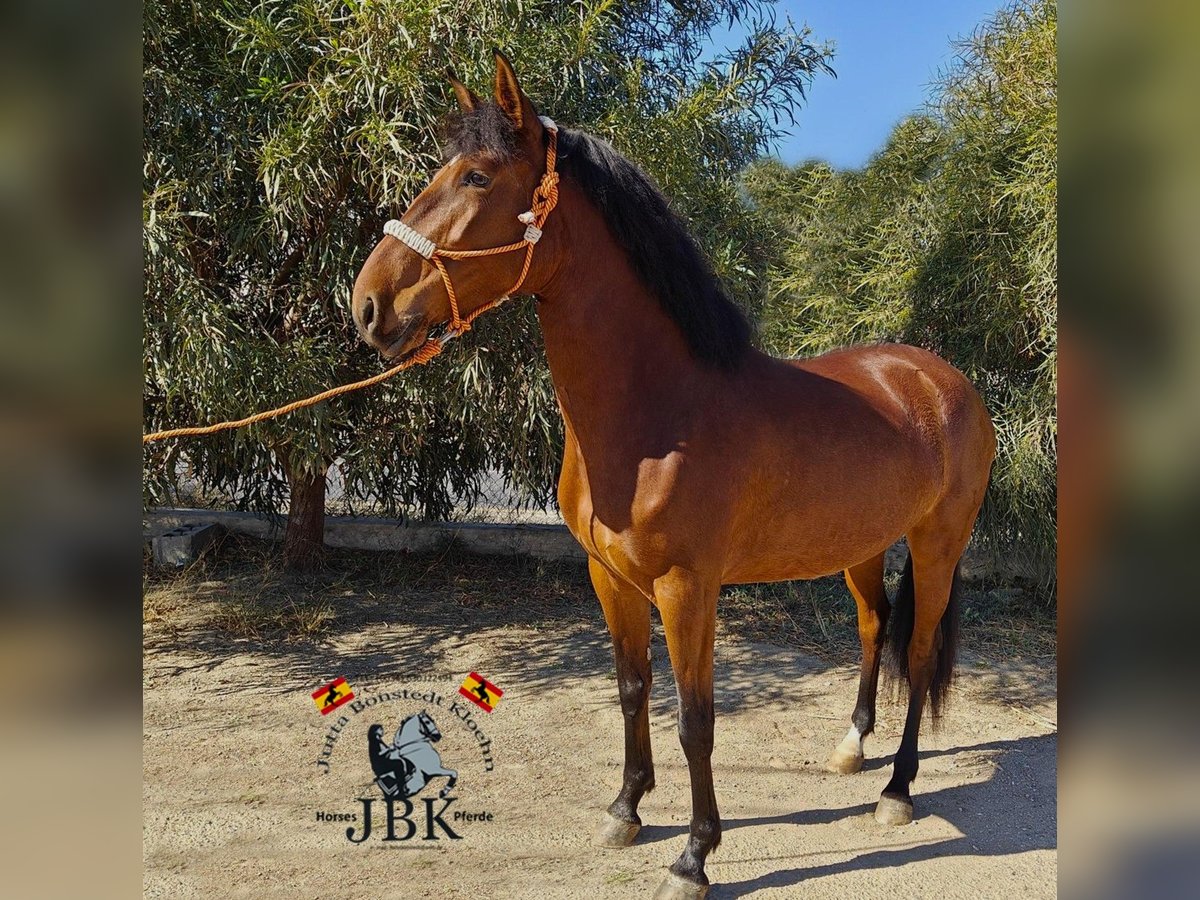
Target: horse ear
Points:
(468, 100)
(509, 96)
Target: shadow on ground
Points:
(386, 619)
(385, 616)
(1024, 777)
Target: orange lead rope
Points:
(545, 198)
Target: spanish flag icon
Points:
(481, 692)
(332, 695)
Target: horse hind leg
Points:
(922, 647)
(865, 582)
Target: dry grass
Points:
(1006, 620)
(816, 616)
(243, 592)
(998, 620)
(261, 621)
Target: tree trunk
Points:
(304, 539)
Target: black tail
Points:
(900, 628)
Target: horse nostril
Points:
(368, 313)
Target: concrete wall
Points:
(368, 533)
(550, 542)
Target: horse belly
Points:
(797, 547)
(819, 522)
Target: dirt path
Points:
(232, 788)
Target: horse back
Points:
(843, 453)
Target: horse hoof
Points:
(843, 763)
(676, 888)
(893, 810)
(615, 833)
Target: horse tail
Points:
(900, 629)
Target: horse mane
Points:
(654, 237)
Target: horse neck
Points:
(615, 356)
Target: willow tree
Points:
(947, 239)
(280, 135)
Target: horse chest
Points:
(578, 511)
(625, 515)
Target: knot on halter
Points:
(545, 198)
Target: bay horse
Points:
(691, 459)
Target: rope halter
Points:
(545, 198)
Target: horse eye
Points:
(478, 179)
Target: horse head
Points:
(448, 257)
(428, 727)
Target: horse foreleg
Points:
(689, 611)
(866, 585)
(627, 612)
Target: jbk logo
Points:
(402, 768)
(405, 766)
(405, 821)
(400, 823)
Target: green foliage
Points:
(947, 239)
(280, 135)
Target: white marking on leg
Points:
(852, 743)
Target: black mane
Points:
(653, 236)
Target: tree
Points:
(280, 135)
(947, 239)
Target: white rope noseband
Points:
(414, 239)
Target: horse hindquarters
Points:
(923, 634)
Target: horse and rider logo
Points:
(409, 762)
(403, 767)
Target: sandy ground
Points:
(232, 788)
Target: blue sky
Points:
(886, 54)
